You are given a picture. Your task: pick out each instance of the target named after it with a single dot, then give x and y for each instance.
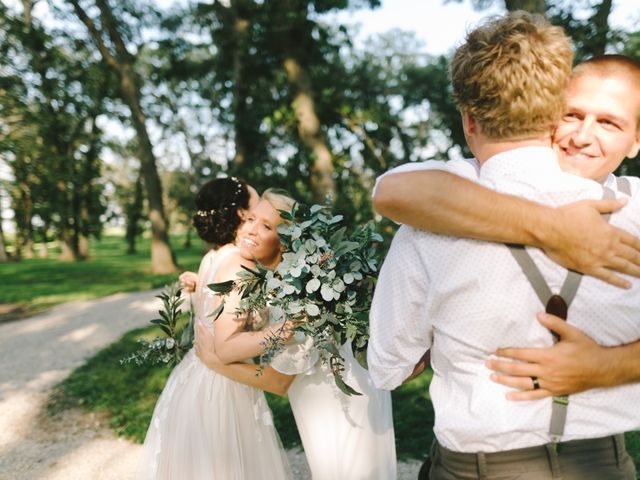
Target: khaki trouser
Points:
(593, 459)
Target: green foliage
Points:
(53, 91)
(632, 441)
(323, 284)
(178, 337)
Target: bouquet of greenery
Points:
(178, 334)
(324, 285)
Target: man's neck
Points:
(487, 148)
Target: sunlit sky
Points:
(442, 25)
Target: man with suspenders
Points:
(463, 299)
(603, 108)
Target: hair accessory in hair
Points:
(205, 213)
(237, 192)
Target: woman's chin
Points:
(246, 252)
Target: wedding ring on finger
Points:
(536, 384)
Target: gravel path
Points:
(37, 353)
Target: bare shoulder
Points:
(231, 265)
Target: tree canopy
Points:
(121, 110)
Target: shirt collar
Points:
(524, 162)
(611, 182)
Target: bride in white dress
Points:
(206, 426)
(344, 437)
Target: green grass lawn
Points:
(38, 284)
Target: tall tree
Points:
(113, 49)
(50, 104)
(297, 44)
(3, 245)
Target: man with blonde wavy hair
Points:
(463, 299)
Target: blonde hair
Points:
(616, 66)
(278, 199)
(511, 73)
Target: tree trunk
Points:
(134, 214)
(17, 244)
(533, 6)
(241, 26)
(44, 246)
(162, 257)
(83, 246)
(3, 246)
(28, 250)
(66, 252)
(310, 131)
(600, 22)
(68, 245)
(89, 172)
(296, 48)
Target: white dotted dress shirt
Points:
(463, 299)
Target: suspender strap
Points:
(537, 281)
(557, 304)
(624, 185)
(532, 272)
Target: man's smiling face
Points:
(600, 126)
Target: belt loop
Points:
(554, 464)
(482, 466)
(619, 448)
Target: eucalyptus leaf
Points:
(337, 237)
(217, 312)
(221, 287)
(327, 292)
(361, 358)
(312, 310)
(294, 308)
(312, 285)
(344, 388)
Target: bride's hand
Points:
(290, 326)
(205, 346)
(188, 281)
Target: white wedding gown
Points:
(206, 426)
(344, 437)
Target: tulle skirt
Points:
(208, 427)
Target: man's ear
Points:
(469, 124)
(635, 148)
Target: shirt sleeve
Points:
(400, 332)
(463, 167)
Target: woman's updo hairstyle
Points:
(217, 218)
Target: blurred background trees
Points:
(116, 112)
